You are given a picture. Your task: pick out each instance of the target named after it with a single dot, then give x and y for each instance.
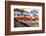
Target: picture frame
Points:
(13, 5)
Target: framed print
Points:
(24, 17)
